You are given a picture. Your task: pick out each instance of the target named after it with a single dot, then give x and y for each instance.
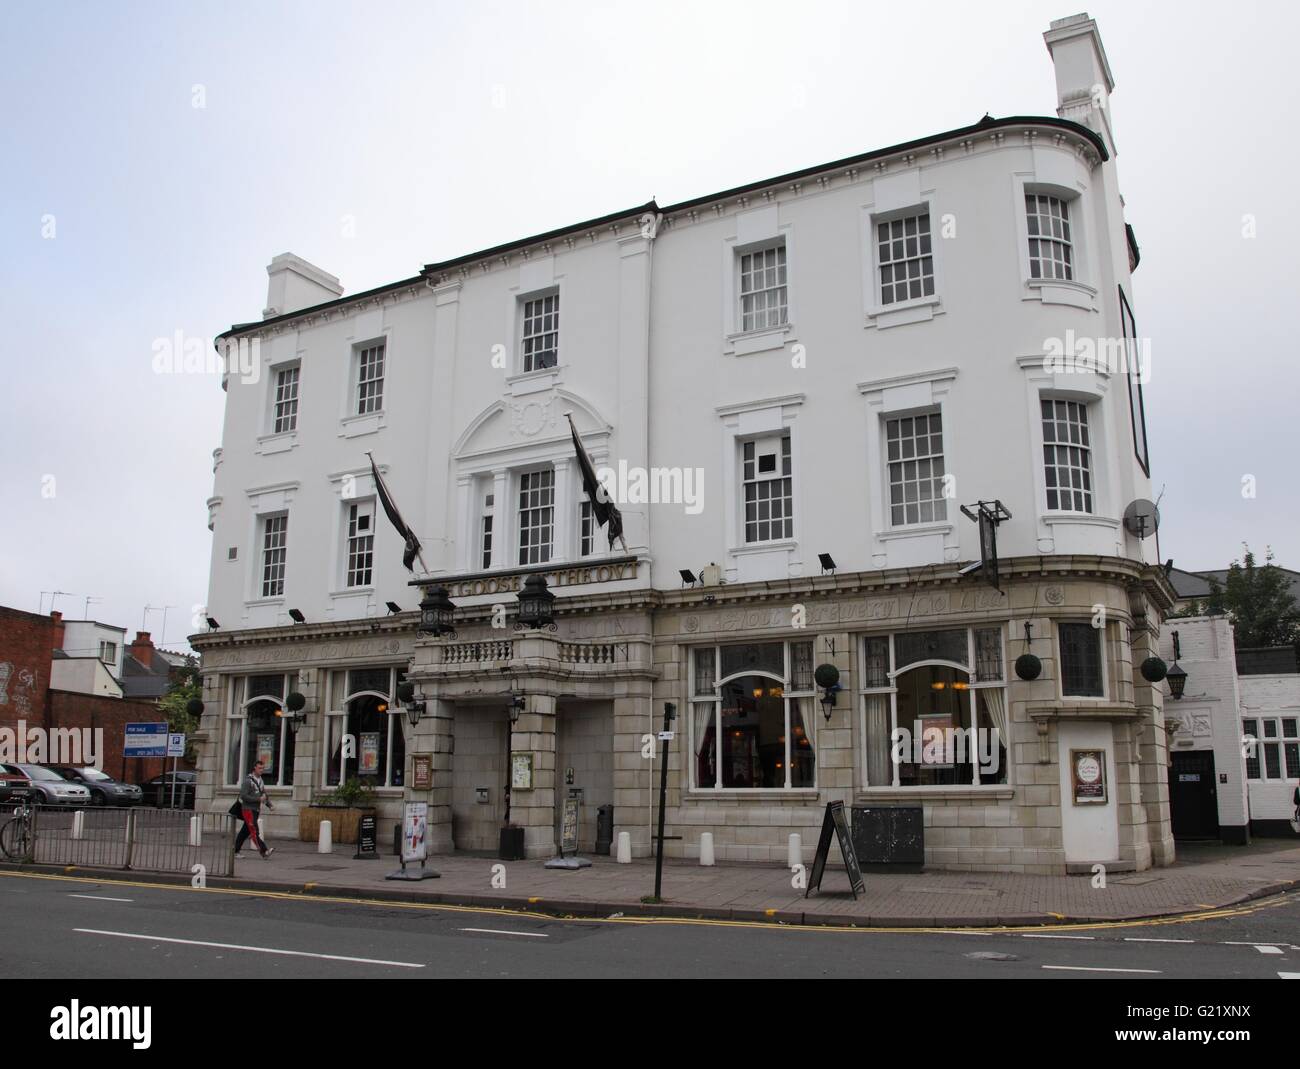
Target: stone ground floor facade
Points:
(1042, 775)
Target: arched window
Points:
(364, 735)
(255, 730)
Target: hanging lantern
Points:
(437, 613)
(536, 604)
(1177, 680)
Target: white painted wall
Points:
(82, 638)
(83, 675)
(1271, 696)
(1088, 832)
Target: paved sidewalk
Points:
(1206, 876)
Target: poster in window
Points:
(521, 771)
(422, 771)
(1088, 771)
(266, 753)
(369, 764)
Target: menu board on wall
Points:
(1088, 772)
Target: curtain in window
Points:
(803, 742)
(706, 765)
(879, 772)
(994, 716)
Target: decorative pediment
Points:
(533, 418)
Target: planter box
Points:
(346, 822)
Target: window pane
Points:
(803, 726)
(704, 670)
(934, 708)
(988, 654)
(755, 656)
(753, 733)
(1080, 646)
(801, 666)
(930, 646)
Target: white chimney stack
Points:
(1083, 78)
(295, 284)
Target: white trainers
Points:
(269, 851)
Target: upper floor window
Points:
(361, 543)
(536, 516)
(108, 652)
(769, 489)
(286, 400)
(1067, 455)
(763, 297)
(541, 336)
(1051, 250)
(586, 530)
(916, 473)
(370, 379)
(485, 531)
(275, 540)
(1081, 672)
(906, 261)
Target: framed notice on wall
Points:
(1088, 773)
(422, 771)
(521, 771)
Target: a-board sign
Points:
(835, 825)
(367, 847)
(569, 827)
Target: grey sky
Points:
(429, 130)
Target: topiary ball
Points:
(1153, 669)
(194, 707)
(826, 675)
(1028, 666)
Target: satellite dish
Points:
(1142, 518)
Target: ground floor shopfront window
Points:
(752, 721)
(363, 729)
(934, 708)
(256, 730)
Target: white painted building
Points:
(89, 638)
(826, 362)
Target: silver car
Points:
(49, 788)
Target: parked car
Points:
(49, 788)
(158, 791)
(103, 788)
(12, 786)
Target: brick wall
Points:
(26, 643)
(69, 710)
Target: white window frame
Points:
(266, 565)
(520, 509)
(586, 527)
(753, 266)
(525, 301)
(488, 537)
(757, 230)
(974, 685)
(237, 721)
(108, 651)
(1073, 405)
(920, 256)
(369, 402)
(337, 708)
(939, 504)
(783, 440)
(285, 398)
(788, 694)
(1061, 176)
(1049, 226)
(357, 544)
(1263, 740)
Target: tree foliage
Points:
(1259, 602)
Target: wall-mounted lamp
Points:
(437, 613)
(1176, 677)
(297, 617)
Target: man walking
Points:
(252, 793)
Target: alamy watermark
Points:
(632, 485)
(1115, 356)
(51, 746)
(946, 745)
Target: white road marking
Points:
(1138, 939)
(1265, 948)
(102, 898)
(1086, 938)
(254, 950)
(501, 931)
(1289, 975)
(1230, 943)
(1094, 968)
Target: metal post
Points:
(173, 801)
(130, 837)
(670, 713)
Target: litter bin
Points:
(604, 830)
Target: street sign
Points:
(145, 740)
(176, 744)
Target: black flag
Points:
(605, 511)
(412, 543)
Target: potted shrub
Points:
(343, 807)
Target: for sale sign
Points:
(145, 740)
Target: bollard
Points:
(624, 848)
(794, 852)
(706, 848)
(326, 843)
(196, 830)
(79, 824)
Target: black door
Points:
(1193, 795)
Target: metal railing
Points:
(159, 840)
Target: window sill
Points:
(918, 531)
(254, 602)
(1001, 792)
(1086, 518)
(356, 426)
(743, 343)
(1061, 291)
(268, 444)
(529, 382)
(739, 794)
(352, 591)
(763, 547)
(920, 310)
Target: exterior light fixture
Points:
(827, 562)
(536, 604)
(437, 613)
(1176, 677)
(827, 676)
(297, 617)
(293, 711)
(392, 607)
(688, 577)
(212, 623)
(517, 706)
(406, 695)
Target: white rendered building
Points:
(827, 362)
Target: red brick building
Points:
(27, 644)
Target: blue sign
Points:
(146, 740)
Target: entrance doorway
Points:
(584, 757)
(1193, 795)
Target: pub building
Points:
(838, 387)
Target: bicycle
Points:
(18, 834)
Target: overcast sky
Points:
(373, 138)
